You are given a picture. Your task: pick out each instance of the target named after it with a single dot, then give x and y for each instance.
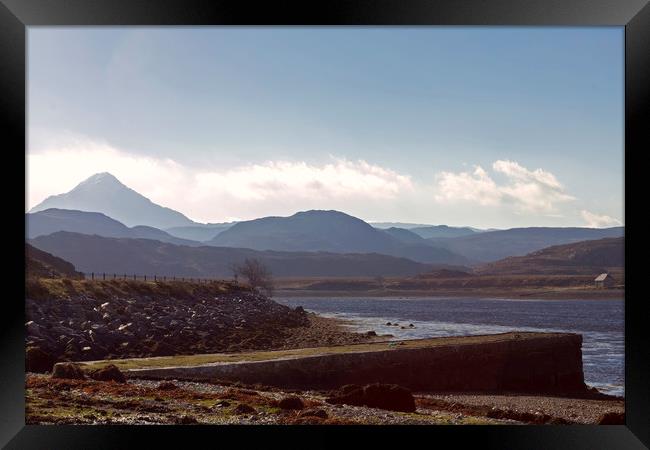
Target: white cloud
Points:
(597, 221)
(475, 187)
(281, 179)
(209, 194)
(531, 191)
(510, 193)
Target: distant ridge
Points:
(52, 220)
(104, 193)
(328, 231)
(144, 256)
(494, 245)
(585, 257)
(443, 231)
(199, 232)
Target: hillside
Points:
(326, 231)
(585, 257)
(144, 256)
(406, 236)
(52, 220)
(104, 193)
(494, 245)
(42, 264)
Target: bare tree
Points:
(234, 268)
(256, 274)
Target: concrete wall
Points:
(542, 364)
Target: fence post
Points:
(92, 275)
(145, 278)
(114, 276)
(133, 277)
(104, 276)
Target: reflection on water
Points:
(601, 323)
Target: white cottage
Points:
(604, 280)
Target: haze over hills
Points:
(585, 257)
(104, 193)
(494, 245)
(199, 232)
(328, 231)
(143, 256)
(52, 220)
(405, 225)
(444, 231)
(427, 231)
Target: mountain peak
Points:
(102, 177)
(104, 193)
(321, 212)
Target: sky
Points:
(468, 126)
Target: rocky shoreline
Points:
(79, 320)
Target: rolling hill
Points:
(406, 236)
(52, 220)
(494, 245)
(104, 193)
(327, 231)
(144, 256)
(580, 258)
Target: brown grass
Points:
(63, 288)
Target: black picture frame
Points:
(16, 15)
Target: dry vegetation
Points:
(51, 401)
(65, 288)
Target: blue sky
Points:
(488, 127)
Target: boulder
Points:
(243, 408)
(68, 370)
(346, 389)
(108, 373)
(314, 413)
(291, 403)
(36, 360)
(186, 420)
(382, 396)
(166, 386)
(612, 418)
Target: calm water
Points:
(601, 323)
